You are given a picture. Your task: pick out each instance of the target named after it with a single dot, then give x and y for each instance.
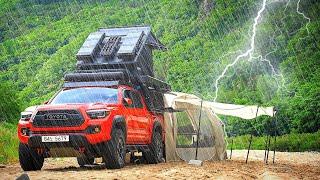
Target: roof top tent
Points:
(125, 47)
(123, 55)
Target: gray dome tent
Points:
(182, 126)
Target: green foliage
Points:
(289, 142)
(9, 106)
(8, 143)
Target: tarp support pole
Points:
(231, 147)
(268, 149)
(265, 149)
(198, 133)
(250, 141)
(275, 136)
(251, 136)
(274, 150)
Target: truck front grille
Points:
(58, 118)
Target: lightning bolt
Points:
(304, 16)
(274, 73)
(248, 53)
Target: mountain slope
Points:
(39, 40)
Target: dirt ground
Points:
(287, 166)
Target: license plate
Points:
(62, 138)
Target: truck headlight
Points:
(97, 114)
(25, 116)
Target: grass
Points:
(8, 143)
(289, 142)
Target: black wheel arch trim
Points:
(157, 125)
(119, 122)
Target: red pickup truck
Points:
(90, 122)
(110, 105)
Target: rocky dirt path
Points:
(287, 166)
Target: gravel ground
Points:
(305, 165)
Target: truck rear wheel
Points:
(155, 153)
(85, 160)
(29, 159)
(114, 154)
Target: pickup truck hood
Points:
(73, 106)
(31, 109)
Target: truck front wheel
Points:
(29, 159)
(115, 152)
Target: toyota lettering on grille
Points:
(56, 116)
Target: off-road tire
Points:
(115, 151)
(29, 159)
(155, 153)
(85, 160)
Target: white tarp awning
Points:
(241, 111)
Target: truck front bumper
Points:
(75, 147)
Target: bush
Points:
(8, 143)
(289, 142)
(9, 108)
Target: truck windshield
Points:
(87, 95)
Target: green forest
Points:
(39, 40)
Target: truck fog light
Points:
(93, 129)
(97, 129)
(25, 131)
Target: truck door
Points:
(128, 111)
(142, 115)
(138, 123)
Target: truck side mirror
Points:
(128, 101)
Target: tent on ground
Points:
(182, 126)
